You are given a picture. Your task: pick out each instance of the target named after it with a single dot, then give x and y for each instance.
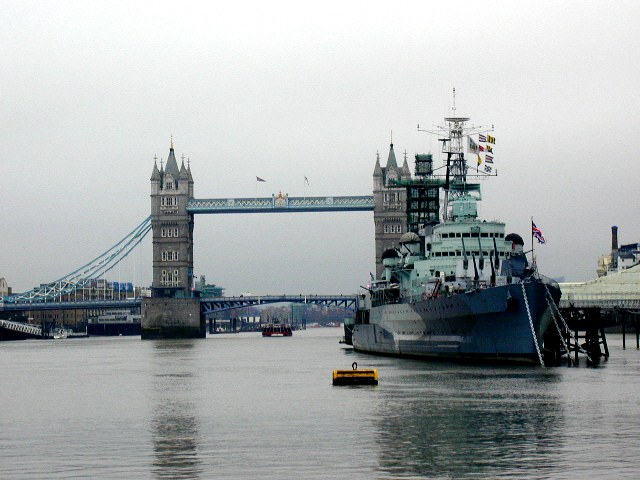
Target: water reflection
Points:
(174, 422)
(465, 422)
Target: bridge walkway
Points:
(28, 330)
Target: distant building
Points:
(207, 291)
(5, 289)
(95, 289)
(621, 258)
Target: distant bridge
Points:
(219, 304)
(207, 305)
(24, 306)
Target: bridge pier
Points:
(172, 318)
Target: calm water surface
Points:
(243, 406)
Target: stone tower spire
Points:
(405, 173)
(378, 180)
(391, 160)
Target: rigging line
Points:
(128, 251)
(103, 258)
(106, 261)
(146, 221)
(93, 267)
(105, 266)
(76, 277)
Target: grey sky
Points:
(91, 91)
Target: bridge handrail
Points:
(220, 205)
(21, 327)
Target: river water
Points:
(243, 406)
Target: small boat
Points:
(277, 330)
(60, 333)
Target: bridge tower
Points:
(172, 311)
(390, 198)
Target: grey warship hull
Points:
(497, 324)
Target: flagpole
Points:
(533, 254)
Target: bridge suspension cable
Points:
(92, 270)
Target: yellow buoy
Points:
(355, 376)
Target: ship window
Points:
(457, 235)
(474, 234)
(466, 235)
(484, 234)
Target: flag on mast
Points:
(473, 146)
(258, 179)
(537, 234)
(306, 180)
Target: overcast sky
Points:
(92, 91)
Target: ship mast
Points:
(453, 146)
(452, 135)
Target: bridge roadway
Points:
(281, 203)
(217, 304)
(207, 305)
(212, 305)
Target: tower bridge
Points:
(173, 310)
(398, 204)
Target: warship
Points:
(456, 287)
